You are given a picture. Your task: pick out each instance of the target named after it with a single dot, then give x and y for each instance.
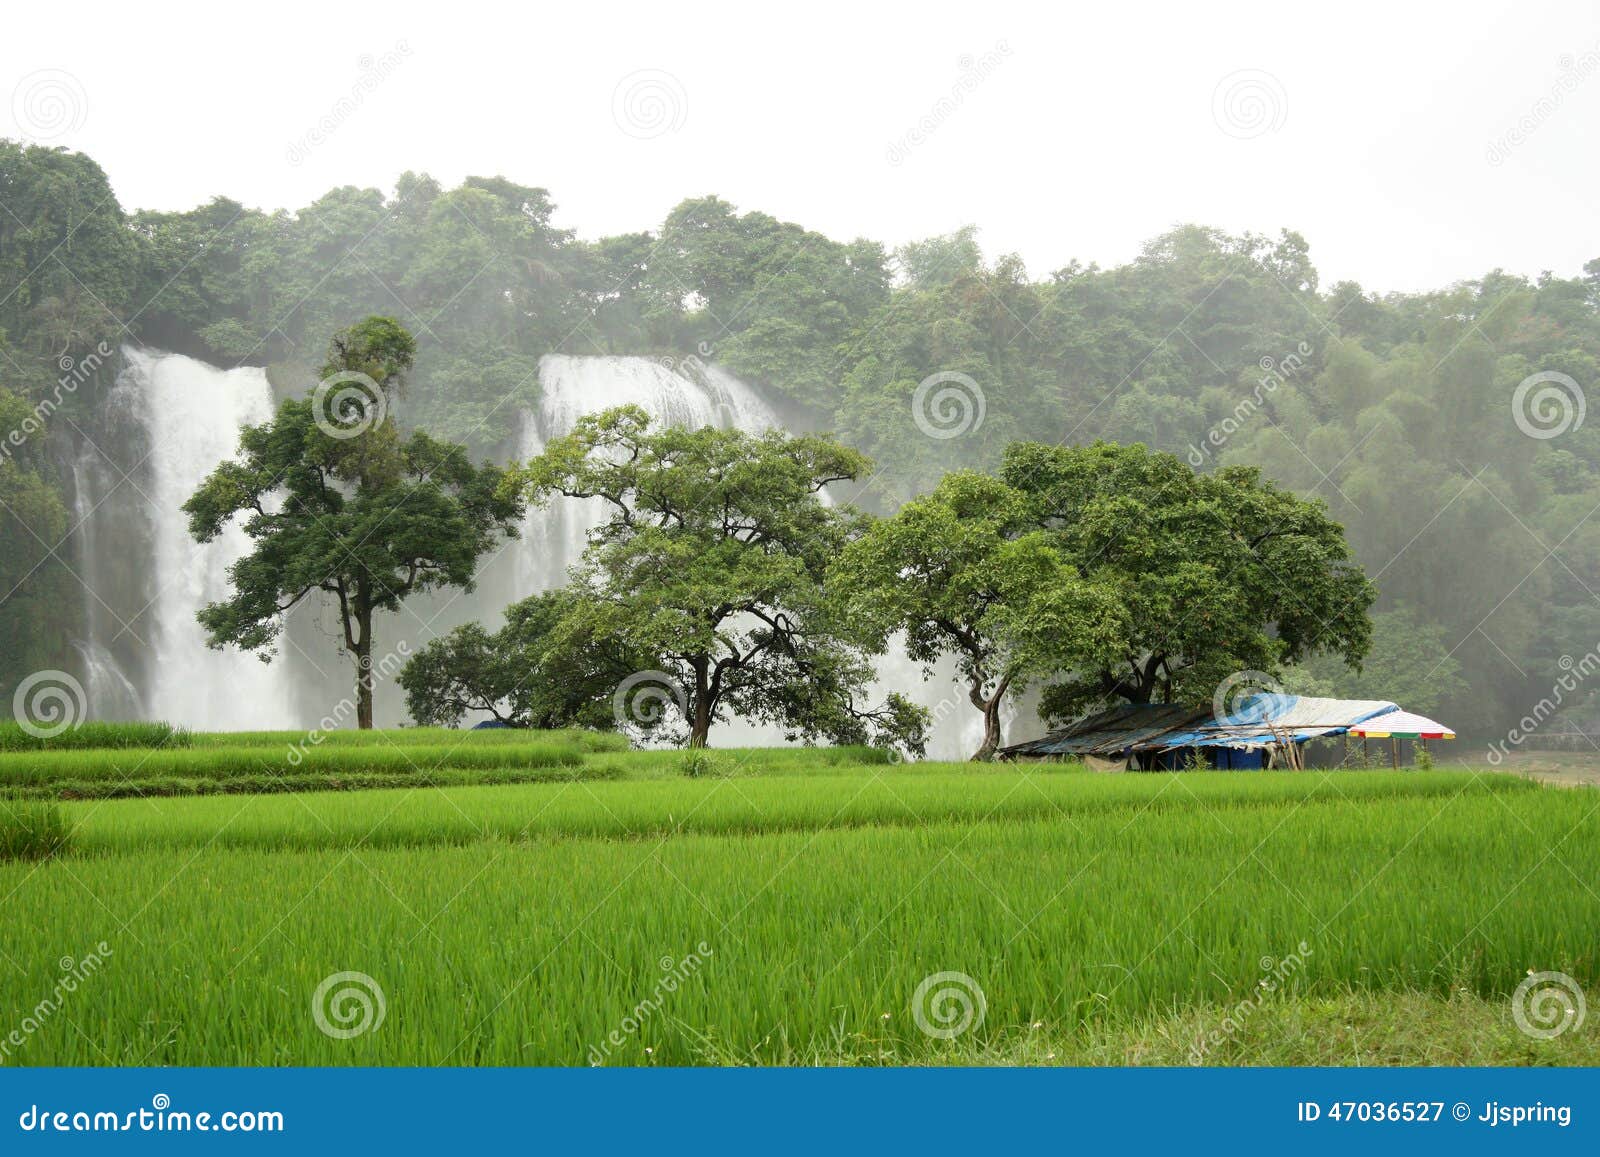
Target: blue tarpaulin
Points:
(1260, 721)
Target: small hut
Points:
(1268, 730)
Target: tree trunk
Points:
(991, 718)
(363, 650)
(700, 710)
(991, 732)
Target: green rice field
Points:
(510, 898)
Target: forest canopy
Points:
(1399, 411)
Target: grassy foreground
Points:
(800, 907)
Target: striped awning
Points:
(1401, 725)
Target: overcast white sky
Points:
(1367, 127)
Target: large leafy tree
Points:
(710, 565)
(1396, 409)
(1410, 663)
(339, 504)
(1213, 573)
(538, 670)
(956, 575)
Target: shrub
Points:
(94, 735)
(31, 831)
(697, 763)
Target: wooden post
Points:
(1366, 760)
(1394, 748)
(1344, 754)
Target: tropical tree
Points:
(1212, 573)
(538, 670)
(1410, 663)
(710, 564)
(955, 574)
(338, 504)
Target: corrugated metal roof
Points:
(1259, 721)
(1122, 728)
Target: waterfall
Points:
(673, 391)
(192, 414)
(107, 688)
(168, 422)
(109, 692)
(689, 392)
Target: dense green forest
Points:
(1396, 410)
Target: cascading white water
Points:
(689, 392)
(674, 392)
(192, 414)
(147, 655)
(109, 691)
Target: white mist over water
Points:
(192, 414)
